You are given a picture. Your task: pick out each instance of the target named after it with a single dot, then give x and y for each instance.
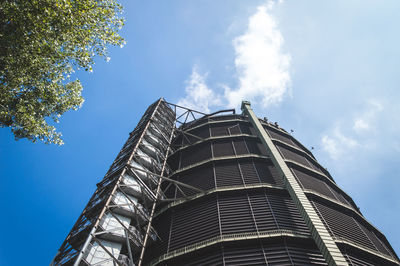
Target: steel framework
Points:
(122, 207)
(190, 188)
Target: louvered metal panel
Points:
(343, 225)
(194, 223)
(294, 156)
(255, 146)
(359, 261)
(273, 254)
(251, 255)
(223, 148)
(268, 173)
(280, 136)
(201, 177)
(200, 133)
(225, 129)
(213, 257)
(227, 174)
(195, 154)
(255, 253)
(286, 213)
(301, 255)
(375, 240)
(262, 211)
(240, 146)
(245, 128)
(310, 182)
(249, 172)
(234, 130)
(235, 214)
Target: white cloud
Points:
(337, 144)
(262, 68)
(357, 138)
(361, 125)
(198, 96)
(367, 120)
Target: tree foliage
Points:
(41, 43)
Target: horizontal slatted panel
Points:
(268, 173)
(262, 212)
(200, 177)
(252, 131)
(314, 165)
(354, 261)
(310, 182)
(341, 198)
(224, 129)
(223, 148)
(277, 256)
(240, 146)
(196, 154)
(245, 128)
(286, 213)
(234, 130)
(261, 148)
(378, 244)
(291, 155)
(250, 255)
(281, 137)
(201, 132)
(235, 214)
(219, 130)
(162, 226)
(305, 256)
(273, 254)
(343, 225)
(228, 174)
(255, 147)
(249, 172)
(194, 223)
(211, 258)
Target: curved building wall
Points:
(246, 216)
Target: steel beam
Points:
(320, 234)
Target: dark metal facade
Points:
(219, 198)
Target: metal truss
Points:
(121, 211)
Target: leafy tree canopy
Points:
(41, 43)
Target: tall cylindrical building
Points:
(227, 189)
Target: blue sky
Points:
(335, 83)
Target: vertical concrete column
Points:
(319, 233)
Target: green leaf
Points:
(41, 44)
